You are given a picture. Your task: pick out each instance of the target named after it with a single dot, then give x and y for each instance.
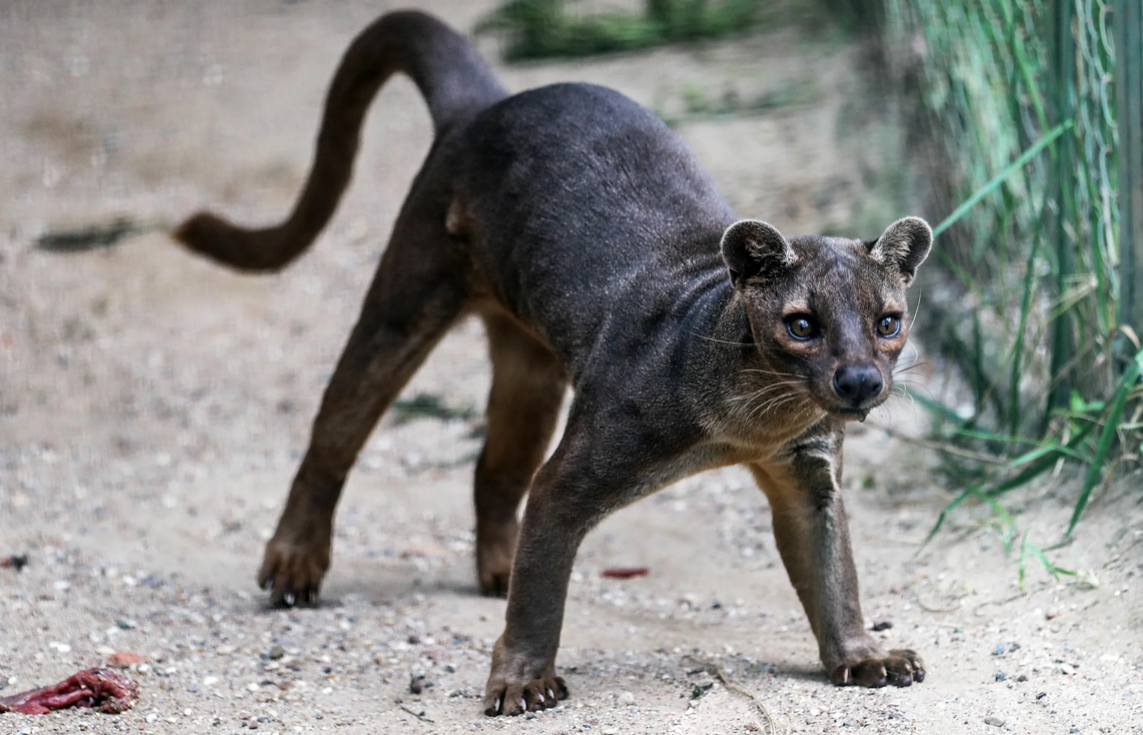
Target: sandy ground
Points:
(153, 408)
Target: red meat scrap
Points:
(101, 689)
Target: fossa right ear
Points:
(904, 245)
(754, 249)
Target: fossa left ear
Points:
(904, 245)
(754, 249)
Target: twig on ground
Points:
(956, 606)
(96, 235)
(1119, 554)
(976, 610)
(419, 715)
(737, 688)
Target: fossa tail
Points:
(451, 76)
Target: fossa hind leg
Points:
(812, 534)
(528, 386)
(419, 291)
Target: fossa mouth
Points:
(850, 414)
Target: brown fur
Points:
(600, 256)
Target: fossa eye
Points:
(801, 327)
(889, 326)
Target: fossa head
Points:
(828, 314)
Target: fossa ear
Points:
(755, 249)
(904, 245)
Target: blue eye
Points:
(801, 327)
(889, 326)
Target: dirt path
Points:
(153, 409)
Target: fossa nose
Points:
(857, 383)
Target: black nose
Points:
(857, 383)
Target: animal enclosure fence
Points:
(1039, 104)
(1050, 264)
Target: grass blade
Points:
(999, 179)
(1107, 437)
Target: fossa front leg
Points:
(523, 675)
(812, 534)
(584, 480)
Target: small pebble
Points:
(994, 721)
(277, 652)
(1001, 676)
(882, 622)
(999, 649)
(124, 659)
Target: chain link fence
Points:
(1039, 261)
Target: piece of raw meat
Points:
(104, 690)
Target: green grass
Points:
(540, 29)
(1026, 120)
(698, 103)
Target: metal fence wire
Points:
(1039, 260)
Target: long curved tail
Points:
(454, 81)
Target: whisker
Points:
(763, 408)
(910, 366)
(779, 373)
(722, 341)
(770, 388)
(768, 398)
(922, 386)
